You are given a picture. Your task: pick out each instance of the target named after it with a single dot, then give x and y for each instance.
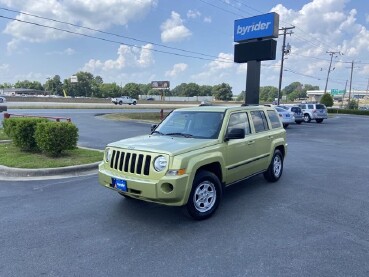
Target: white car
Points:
(286, 117)
(3, 106)
(124, 100)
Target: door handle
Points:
(251, 142)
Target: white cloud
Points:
(133, 57)
(207, 19)
(193, 14)
(68, 52)
(173, 29)
(177, 69)
(93, 14)
(4, 67)
(217, 71)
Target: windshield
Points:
(191, 124)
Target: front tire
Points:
(319, 120)
(120, 102)
(275, 169)
(205, 195)
(307, 118)
(134, 103)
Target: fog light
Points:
(167, 188)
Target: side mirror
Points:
(235, 133)
(153, 127)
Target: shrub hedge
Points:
(348, 111)
(54, 137)
(40, 134)
(21, 130)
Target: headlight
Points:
(108, 153)
(160, 163)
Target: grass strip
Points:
(149, 117)
(11, 156)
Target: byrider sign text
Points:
(261, 26)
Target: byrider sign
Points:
(261, 26)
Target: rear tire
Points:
(275, 169)
(205, 195)
(298, 122)
(285, 125)
(319, 120)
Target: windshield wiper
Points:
(179, 134)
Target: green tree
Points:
(132, 89)
(205, 90)
(268, 93)
(295, 86)
(6, 85)
(109, 90)
(327, 100)
(222, 92)
(54, 85)
(353, 104)
(30, 85)
(241, 96)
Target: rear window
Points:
(260, 121)
(320, 106)
(274, 119)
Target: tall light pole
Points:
(285, 50)
(331, 53)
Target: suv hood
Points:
(171, 145)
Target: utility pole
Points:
(285, 50)
(352, 70)
(331, 53)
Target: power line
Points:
(223, 60)
(109, 33)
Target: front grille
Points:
(130, 162)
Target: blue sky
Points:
(180, 41)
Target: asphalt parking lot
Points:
(313, 222)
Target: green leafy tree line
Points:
(89, 85)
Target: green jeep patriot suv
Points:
(194, 153)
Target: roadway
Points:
(313, 222)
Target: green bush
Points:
(327, 100)
(21, 130)
(55, 137)
(353, 104)
(9, 126)
(348, 111)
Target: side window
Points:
(239, 120)
(274, 119)
(310, 107)
(260, 121)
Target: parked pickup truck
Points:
(194, 153)
(124, 100)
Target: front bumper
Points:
(169, 190)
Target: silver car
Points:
(286, 117)
(297, 112)
(317, 112)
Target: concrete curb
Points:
(6, 172)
